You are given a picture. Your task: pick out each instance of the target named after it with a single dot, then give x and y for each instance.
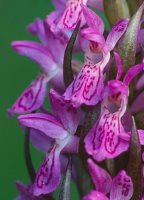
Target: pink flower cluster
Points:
(58, 132)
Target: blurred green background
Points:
(16, 73)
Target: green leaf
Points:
(67, 66)
(28, 160)
(128, 43)
(134, 5)
(134, 168)
(66, 184)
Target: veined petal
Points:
(67, 114)
(100, 177)
(107, 139)
(95, 195)
(122, 187)
(32, 97)
(88, 86)
(117, 31)
(72, 14)
(36, 52)
(45, 123)
(49, 174)
(92, 19)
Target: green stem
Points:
(28, 160)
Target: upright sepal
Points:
(116, 33)
(100, 177)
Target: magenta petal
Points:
(56, 41)
(45, 123)
(91, 40)
(122, 187)
(36, 52)
(49, 175)
(72, 14)
(117, 31)
(37, 28)
(32, 98)
(40, 140)
(88, 86)
(68, 115)
(52, 19)
(100, 177)
(107, 139)
(93, 20)
(132, 72)
(95, 195)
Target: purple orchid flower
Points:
(92, 39)
(108, 138)
(61, 127)
(50, 63)
(120, 187)
(71, 12)
(88, 86)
